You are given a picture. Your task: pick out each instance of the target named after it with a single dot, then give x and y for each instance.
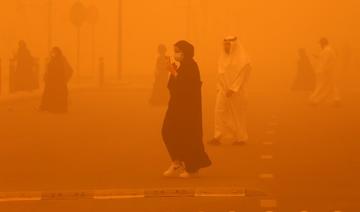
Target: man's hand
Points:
(230, 93)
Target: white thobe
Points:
(230, 112)
(326, 85)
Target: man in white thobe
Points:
(326, 85)
(230, 112)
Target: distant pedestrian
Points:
(101, 72)
(160, 94)
(24, 77)
(326, 76)
(57, 76)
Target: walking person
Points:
(326, 76)
(24, 76)
(57, 76)
(231, 103)
(160, 96)
(182, 129)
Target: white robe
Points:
(326, 85)
(230, 112)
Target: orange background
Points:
(272, 31)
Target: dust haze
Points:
(109, 134)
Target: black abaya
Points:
(55, 96)
(182, 130)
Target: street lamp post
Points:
(120, 38)
(50, 24)
(93, 15)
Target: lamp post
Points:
(50, 24)
(93, 15)
(120, 38)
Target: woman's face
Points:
(179, 55)
(54, 53)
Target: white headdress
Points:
(236, 57)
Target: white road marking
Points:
(19, 199)
(267, 157)
(267, 176)
(20, 196)
(114, 197)
(220, 192)
(273, 124)
(274, 117)
(124, 194)
(268, 203)
(270, 132)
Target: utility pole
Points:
(120, 38)
(92, 18)
(50, 24)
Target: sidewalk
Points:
(74, 85)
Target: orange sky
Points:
(270, 30)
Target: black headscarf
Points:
(187, 48)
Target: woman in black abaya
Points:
(182, 129)
(57, 76)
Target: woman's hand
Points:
(173, 69)
(230, 93)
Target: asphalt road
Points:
(298, 158)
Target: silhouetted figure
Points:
(101, 72)
(24, 76)
(326, 76)
(57, 76)
(160, 94)
(305, 77)
(1, 81)
(231, 102)
(182, 130)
